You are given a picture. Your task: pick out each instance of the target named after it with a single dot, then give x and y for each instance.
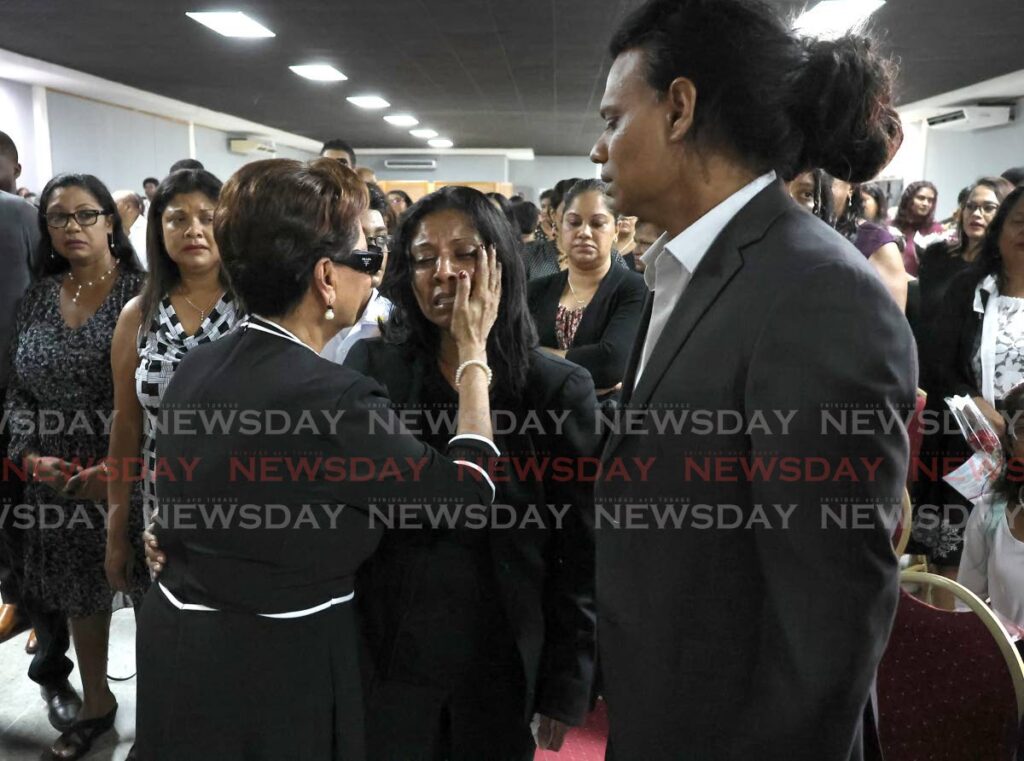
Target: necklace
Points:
(89, 284)
(202, 312)
(579, 302)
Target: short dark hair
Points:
(505, 205)
(877, 193)
(378, 200)
(277, 218)
(185, 164)
(513, 335)
(547, 194)
(527, 217)
(401, 194)
(8, 148)
(337, 144)
(43, 263)
(903, 221)
(1014, 175)
(766, 96)
(164, 274)
(150, 180)
(586, 186)
(561, 188)
(990, 260)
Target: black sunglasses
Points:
(368, 262)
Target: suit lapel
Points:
(721, 263)
(713, 273)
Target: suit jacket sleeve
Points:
(420, 475)
(834, 341)
(567, 662)
(605, 357)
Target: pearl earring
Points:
(329, 314)
(110, 242)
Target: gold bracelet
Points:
(469, 363)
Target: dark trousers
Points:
(50, 665)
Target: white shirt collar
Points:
(690, 246)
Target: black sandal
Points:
(80, 736)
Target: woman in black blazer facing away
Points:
(247, 643)
(472, 633)
(589, 312)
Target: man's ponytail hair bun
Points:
(843, 106)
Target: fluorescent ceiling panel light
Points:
(441, 142)
(319, 72)
(830, 19)
(368, 101)
(231, 24)
(423, 133)
(402, 120)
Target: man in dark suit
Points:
(747, 585)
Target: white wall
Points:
(18, 121)
(212, 150)
(118, 145)
(533, 177)
(453, 168)
(956, 159)
(122, 146)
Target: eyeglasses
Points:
(383, 242)
(986, 208)
(58, 220)
(368, 262)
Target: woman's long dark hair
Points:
(513, 336)
(990, 260)
(881, 201)
(46, 261)
(164, 274)
(903, 220)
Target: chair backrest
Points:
(951, 683)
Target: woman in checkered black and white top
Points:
(185, 303)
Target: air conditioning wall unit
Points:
(412, 165)
(252, 145)
(970, 118)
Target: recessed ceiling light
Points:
(423, 133)
(441, 142)
(231, 24)
(319, 72)
(402, 120)
(368, 101)
(830, 19)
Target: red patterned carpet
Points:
(584, 743)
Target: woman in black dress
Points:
(247, 643)
(473, 633)
(86, 271)
(589, 313)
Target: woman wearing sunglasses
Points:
(280, 470)
(85, 272)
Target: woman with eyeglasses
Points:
(247, 646)
(974, 347)
(86, 272)
(375, 312)
(942, 261)
(472, 633)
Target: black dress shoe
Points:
(62, 703)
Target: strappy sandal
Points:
(80, 736)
